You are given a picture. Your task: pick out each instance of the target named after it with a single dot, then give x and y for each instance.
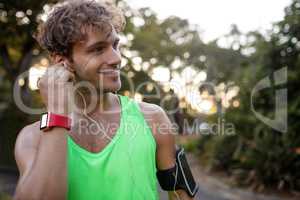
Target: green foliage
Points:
(4, 197)
(257, 154)
(223, 159)
(190, 146)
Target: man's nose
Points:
(113, 57)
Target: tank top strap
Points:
(131, 108)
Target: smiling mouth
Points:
(109, 72)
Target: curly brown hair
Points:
(68, 21)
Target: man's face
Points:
(98, 59)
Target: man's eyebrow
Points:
(102, 43)
(96, 44)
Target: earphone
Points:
(84, 108)
(176, 174)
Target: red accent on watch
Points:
(49, 120)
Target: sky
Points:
(214, 17)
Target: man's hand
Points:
(55, 88)
(179, 195)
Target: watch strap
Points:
(56, 120)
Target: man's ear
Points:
(68, 64)
(55, 58)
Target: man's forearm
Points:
(47, 176)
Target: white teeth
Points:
(108, 71)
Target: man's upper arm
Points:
(163, 132)
(165, 141)
(26, 148)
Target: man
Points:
(80, 161)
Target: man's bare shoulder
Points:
(160, 124)
(27, 140)
(150, 110)
(29, 136)
(26, 145)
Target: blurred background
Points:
(207, 59)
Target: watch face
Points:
(43, 122)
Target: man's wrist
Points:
(63, 112)
(50, 120)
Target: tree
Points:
(257, 154)
(18, 49)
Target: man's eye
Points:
(116, 44)
(99, 49)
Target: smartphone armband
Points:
(179, 176)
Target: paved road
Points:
(8, 182)
(210, 188)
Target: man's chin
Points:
(112, 89)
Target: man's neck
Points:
(105, 109)
(87, 103)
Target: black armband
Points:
(179, 176)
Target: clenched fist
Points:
(56, 88)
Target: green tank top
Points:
(124, 170)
